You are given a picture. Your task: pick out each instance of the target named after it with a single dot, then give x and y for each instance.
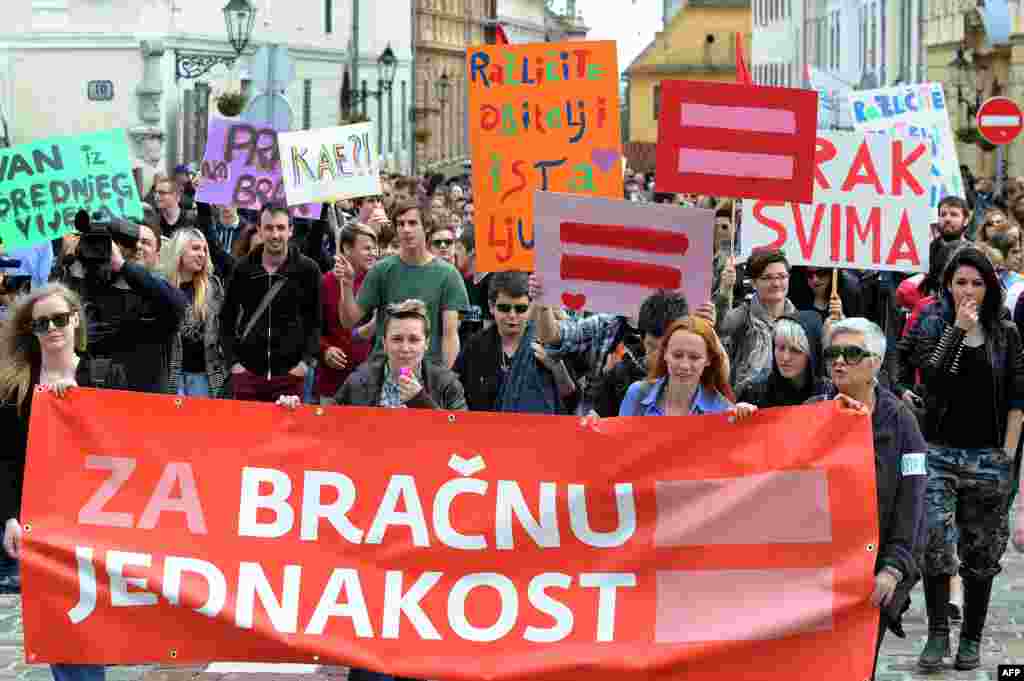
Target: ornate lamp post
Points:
(441, 86)
(387, 65)
(239, 18)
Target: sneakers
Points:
(968, 655)
(935, 649)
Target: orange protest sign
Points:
(436, 550)
(541, 116)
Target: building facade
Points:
(524, 21)
(992, 65)
(698, 43)
(76, 66)
(776, 56)
(376, 27)
(443, 30)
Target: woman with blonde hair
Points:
(688, 375)
(39, 346)
(197, 365)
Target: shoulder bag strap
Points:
(268, 298)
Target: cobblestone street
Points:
(1004, 642)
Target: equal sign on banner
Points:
(588, 254)
(607, 256)
(736, 140)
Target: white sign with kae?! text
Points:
(329, 164)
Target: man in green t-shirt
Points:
(413, 273)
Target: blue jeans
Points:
(78, 672)
(193, 385)
(308, 384)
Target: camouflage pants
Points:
(967, 507)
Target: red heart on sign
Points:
(574, 301)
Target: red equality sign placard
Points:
(442, 549)
(1000, 120)
(736, 140)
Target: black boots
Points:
(936, 596)
(977, 594)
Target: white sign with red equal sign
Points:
(603, 255)
(1000, 120)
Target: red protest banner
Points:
(729, 139)
(241, 531)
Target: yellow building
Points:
(698, 43)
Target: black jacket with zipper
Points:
(289, 331)
(933, 346)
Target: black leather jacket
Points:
(934, 346)
(441, 387)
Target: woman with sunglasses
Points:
(441, 241)
(39, 346)
(971, 364)
(197, 364)
(854, 348)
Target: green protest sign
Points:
(44, 183)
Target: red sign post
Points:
(1000, 120)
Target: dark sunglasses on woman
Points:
(41, 325)
(851, 354)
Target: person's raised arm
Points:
(450, 338)
(548, 330)
(348, 307)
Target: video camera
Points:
(97, 233)
(12, 283)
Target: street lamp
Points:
(441, 86)
(239, 18)
(387, 67)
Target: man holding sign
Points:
(414, 273)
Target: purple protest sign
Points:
(242, 165)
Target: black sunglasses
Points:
(851, 354)
(442, 243)
(505, 308)
(41, 325)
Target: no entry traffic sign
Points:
(1000, 120)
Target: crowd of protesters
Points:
(377, 302)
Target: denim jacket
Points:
(642, 400)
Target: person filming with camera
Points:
(131, 313)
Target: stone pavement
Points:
(1004, 642)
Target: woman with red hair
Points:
(689, 375)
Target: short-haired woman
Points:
(972, 366)
(39, 346)
(854, 349)
(197, 364)
(402, 377)
(689, 375)
(796, 372)
(747, 330)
